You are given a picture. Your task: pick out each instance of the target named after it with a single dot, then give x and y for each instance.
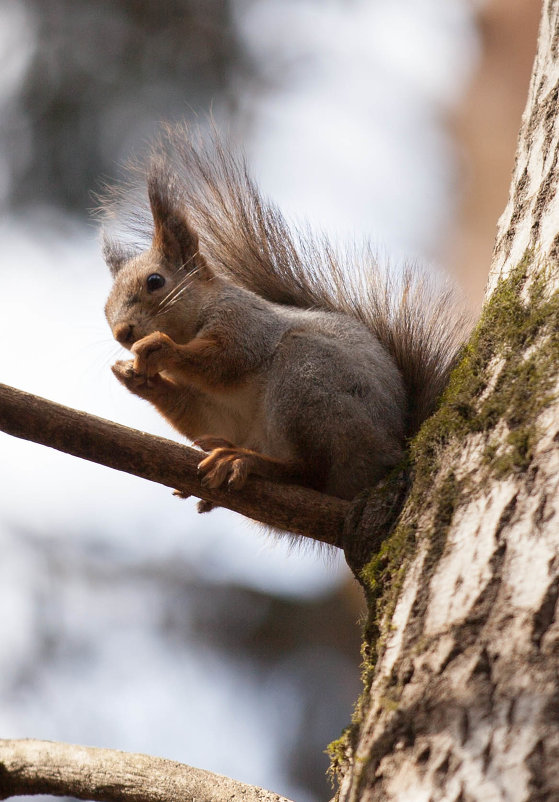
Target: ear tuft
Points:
(115, 254)
(173, 235)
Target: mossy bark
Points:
(461, 694)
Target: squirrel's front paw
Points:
(137, 383)
(154, 353)
(125, 373)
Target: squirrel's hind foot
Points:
(225, 465)
(232, 466)
(205, 506)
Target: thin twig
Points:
(287, 507)
(108, 775)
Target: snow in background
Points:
(348, 134)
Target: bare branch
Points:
(288, 507)
(84, 772)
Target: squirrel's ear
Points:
(115, 254)
(173, 235)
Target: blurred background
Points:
(127, 620)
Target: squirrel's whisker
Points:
(180, 286)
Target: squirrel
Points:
(271, 351)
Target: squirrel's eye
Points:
(155, 282)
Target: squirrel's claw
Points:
(135, 381)
(127, 375)
(202, 506)
(123, 369)
(224, 465)
(238, 473)
(181, 494)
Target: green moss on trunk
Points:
(505, 378)
(517, 335)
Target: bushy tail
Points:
(247, 239)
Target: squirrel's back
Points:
(248, 241)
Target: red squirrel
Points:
(262, 344)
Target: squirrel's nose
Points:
(124, 333)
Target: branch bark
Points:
(288, 507)
(43, 767)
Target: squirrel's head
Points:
(164, 287)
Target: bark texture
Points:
(84, 772)
(298, 510)
(462, 689)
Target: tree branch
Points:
(288, 507)
(108, 775)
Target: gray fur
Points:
(326, 375)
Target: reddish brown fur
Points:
(270, 338)
(247, 240)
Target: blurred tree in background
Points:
(101, 74)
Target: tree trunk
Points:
(461, 698)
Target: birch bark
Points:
(462, 693)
